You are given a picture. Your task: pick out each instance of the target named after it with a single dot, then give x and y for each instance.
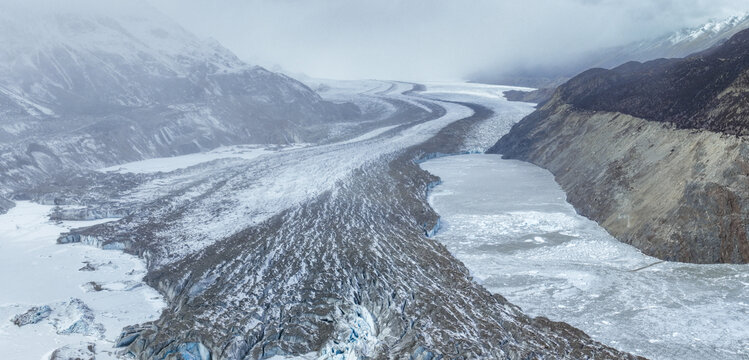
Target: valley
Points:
(165, 197)
(333, 201)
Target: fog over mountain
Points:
(426, 39)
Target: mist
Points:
(428, 39)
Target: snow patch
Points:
(43, 279)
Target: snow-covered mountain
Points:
(121, 82)
(676, 44)
(50, 57)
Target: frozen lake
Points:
(509, 222)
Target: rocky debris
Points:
(93, 286)
(72, 237)
(69, 352)
(88, 267)
(85, 214)
(130, 333)
(75, 317)
(75, 353)
(91, 266)
(644, 150)
(70, 317)
(34, 315)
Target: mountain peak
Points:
(713, 28)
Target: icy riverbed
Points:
(91, 294)
(509, 222)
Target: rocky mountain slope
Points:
(655, 152)
(674, 45)
(90, 88)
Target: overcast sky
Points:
(430, 39)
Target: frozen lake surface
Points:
(91, 293)
(509, 222)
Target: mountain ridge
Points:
(676, 44)
(655, 152)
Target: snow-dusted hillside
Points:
(57, 61)
(84, 89)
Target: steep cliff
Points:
(655, 152)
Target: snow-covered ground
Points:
(509, 222)
(91, 293)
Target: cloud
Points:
(430, 39)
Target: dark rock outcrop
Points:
(708, 91)
(87, 352)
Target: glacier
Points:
(319, 251)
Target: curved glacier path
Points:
(509, 222)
